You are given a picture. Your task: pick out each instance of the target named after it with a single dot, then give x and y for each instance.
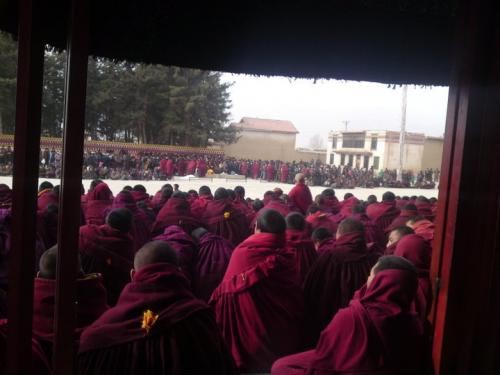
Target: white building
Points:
(380, 149)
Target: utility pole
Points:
(402, 134)
(345, 122)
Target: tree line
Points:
(127, 101)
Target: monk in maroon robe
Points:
(407, 212)
(348, 204)
(255, 169)
(169, 168)
(161, 197)
(423, 227)
(109, 250)
(323, 240)
(239, 200)
(176, 211)
(319, 219)
(47, 197)
(84, 197)
(99, 201)
(183, 245)
(394, 236)
(382, 214)
(222, 218)
(418, 251)
(329, 202)
(200, 204)
(157, 326)
(191, 167)
(141, 223)
(299, 241)
(300, 196)
(425, 208)
(376, 334)
(210, 263)
(270, 172)
(374, 236)
(258, 305)
(274, 202)
(334, 278)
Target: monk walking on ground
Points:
(300, 196)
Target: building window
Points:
(351, 159)
(342, 159)
(374, 143)
(353, 140)
(332, 156)
(376, 161)
(334, 143)
(365, 162)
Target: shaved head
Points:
(271, 221)
(155, 252)
(299, 177)
(350, 226)
(48, 264)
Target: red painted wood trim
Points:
(25, 183)
(71, 177)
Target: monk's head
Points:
(127, 188)
(179, 194)
(240, 192)
(198, 233)
(152, 253)
(300, 178)
(349, 226)
(295, 221)
(371, 199)
(397, 233)
(221, 194)
(204, 190)
(388, 197)
(45, 185)
(176, 187)
(257, 205)
(392, 262)
(278, 192)
(358, 208)
(320, 235)
(413, 220)
(231, 194)
(94, 183)
(270, 221)
(313, 208)
(120, 219)
(348, 195)
(167, 191)
(48, 264)
(318, 199)
(140, 188)
(328, 193)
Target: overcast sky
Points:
(317, 108)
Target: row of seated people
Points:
(275, 294)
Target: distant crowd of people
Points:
(125, 165)
(192, 282)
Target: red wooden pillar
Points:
(71, 179)
(466, 256)
(25, 183)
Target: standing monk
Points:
(157, 326)
(300, 196)
(258, 305)
(284, 171)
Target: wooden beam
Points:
(25, 184)
(71, 179)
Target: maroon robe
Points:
(425, 229)
(140, 196)
(46, 197)
(326, 246)
(258, 305)
(270, 172)
(222, 218)
(141, 224)
(183, 245)
(200, 204)
(425, 209)
(322, 220)
(382, 214)
(305, 254)
(300, 197)
(255, 170)
(182, 340)
(376, 334)
(347, 206)
(191, 167)
(210, 264)
(284, 173)
(99, 201)
(332, 281)
(169, 168)
(175, 212)
(373, 234)
(418, 251)
(109, 252)
(278, 205)
(401, 219)
(330, 206)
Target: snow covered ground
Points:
(254, 188)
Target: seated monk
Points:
(329, 202)
(47, 196)
(374, 236)
(258, 305)
(394, 236)
(200, 204)
(382, 214)
(423, 227)
(319, 219)
(140, 194)
(161, 197)
(418, 251)
(90, 301)
(347, 205)
(157, 326)
(176, 211)
(84, 197)
(299, 240)
(239, 200)
(99, 201)
(222, 218)
(336, 275)
(141, 224)
(210, 263)
(183, 245)
(109, 250)
(425, 208)
(276, 203)
(300, 196)
(376, 334)
(407, 212)
(323, 240)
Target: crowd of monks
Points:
(198, 282)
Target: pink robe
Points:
(382, 214)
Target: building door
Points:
(365, 163)
(350, 163)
